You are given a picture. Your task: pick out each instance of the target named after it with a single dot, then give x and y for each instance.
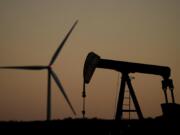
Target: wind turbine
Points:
(51, 73)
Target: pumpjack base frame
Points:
(119, 111)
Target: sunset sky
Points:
(142, 31)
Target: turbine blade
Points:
(62, 44)
(25, 67)
(62, 90)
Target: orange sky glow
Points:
(140, 31)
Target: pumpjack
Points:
(94, 61)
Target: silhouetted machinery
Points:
(94, 61)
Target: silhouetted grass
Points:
(94, 126)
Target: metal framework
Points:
(94, 61)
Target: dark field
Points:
(94, 126)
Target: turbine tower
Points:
(51, 74)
